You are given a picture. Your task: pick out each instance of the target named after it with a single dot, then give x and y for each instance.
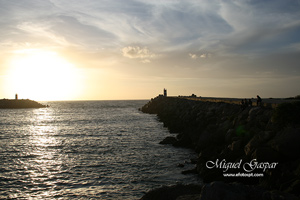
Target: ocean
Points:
(86, 150)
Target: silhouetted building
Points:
(165, 92)
(16, 97)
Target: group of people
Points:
(246, 103)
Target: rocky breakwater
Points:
(255, 146)
(22, 103)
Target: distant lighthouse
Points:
(165, 92)
(16, 97)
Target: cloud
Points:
(204, 55)
(259, 27)
(193, 56)
(139, 53)
(146, 61)
(42, 31)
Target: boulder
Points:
(229, 135)
(294, 188)
(169, 140)
(236, 145)
(236, 191)
(287, 143)
(258, 140)
(223, 191)
(266, 154)
(189, 197)
(172, 192)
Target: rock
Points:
(229, 135)
(172, 192)
(259, 139)
(236, 145)
(180, 165)
(223, 191)
(194, 160)
(253, 112)
(189, 197)
(169, 140)
(21, 103)
(237, 191)
(275, 195)
(287, 143)
(294, 188)
(205, 139)
(184, 141)
(208, 153)
(190, 171)
(266, 154)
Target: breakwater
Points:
(256, 146)
(22, 103)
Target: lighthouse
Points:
(165, 92)
(16, 97)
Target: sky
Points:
(133, 49)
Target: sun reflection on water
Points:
(43, 158)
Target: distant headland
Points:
(19, 103)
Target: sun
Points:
(43, 75)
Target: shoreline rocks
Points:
(216, 190)
(172, 192)
(217, 130)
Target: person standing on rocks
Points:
(258, 102)
(250, 102)
(246, 103)
(243, 104)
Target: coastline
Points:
(219, 130)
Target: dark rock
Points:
(259, 139)
(266, 154)
(220, 190)
(253, 113)
(180, 165)
(287, 143)
(22, 103)
(184, 141)
(236, 145)
(294, 188)
(190, 171)
(287, 114)
(172, 192)
(229, 135)
(194, 160)
(169, 140)
(236, 191)
(189, 197)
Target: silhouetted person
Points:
(246, 103)
(250, 102)
(243, 104)
(258, 102)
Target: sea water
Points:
(86, 150)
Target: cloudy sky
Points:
(132, 49)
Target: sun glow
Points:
(43, 75)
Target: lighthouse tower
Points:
(165, 92)
(16, 97)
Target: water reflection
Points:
(42, 160)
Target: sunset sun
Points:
(43, 75)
